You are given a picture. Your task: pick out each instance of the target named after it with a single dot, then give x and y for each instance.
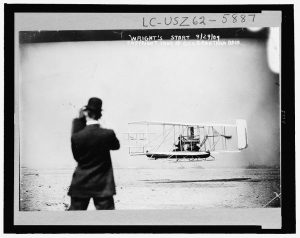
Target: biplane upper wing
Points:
(181, 124)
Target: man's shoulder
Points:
(88, 130)
(106, 131)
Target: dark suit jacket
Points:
(93, 176)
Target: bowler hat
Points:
(94, 104)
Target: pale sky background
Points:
(157, 83)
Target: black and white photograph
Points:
(180, 112)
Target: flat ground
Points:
(175, 188)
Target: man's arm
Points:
(78, 124)
(75, 149)
(114, 142)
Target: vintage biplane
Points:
(181, 141)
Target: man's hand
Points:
(81, 115)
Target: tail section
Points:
(241, 127)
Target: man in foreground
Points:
(91, 145)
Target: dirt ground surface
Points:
(174, 188)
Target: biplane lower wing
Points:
(178, 155)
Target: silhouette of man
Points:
(91, 145)
(180, 144)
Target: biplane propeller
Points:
(164, 140)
